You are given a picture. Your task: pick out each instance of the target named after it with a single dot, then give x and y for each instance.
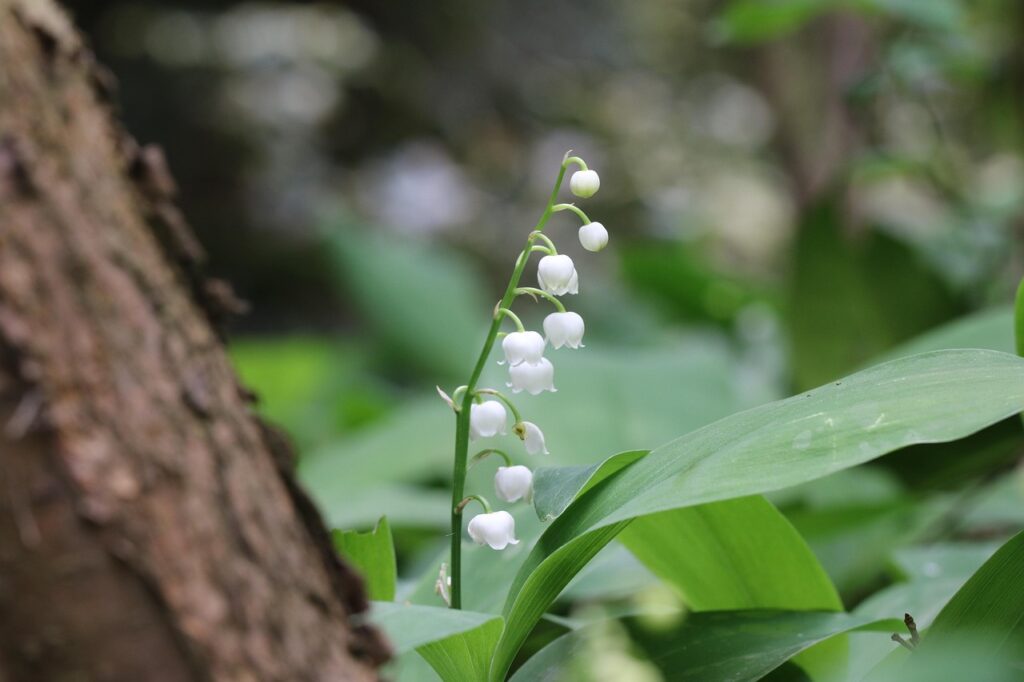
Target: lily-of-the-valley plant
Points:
(482, 412)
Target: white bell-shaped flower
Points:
(513, 483)
(522, 347)
(532, 437)
(584, 183)
(557, 275)
(487, 419)
(497, 529)
(593, 236)
(533, 379)
(564, 329)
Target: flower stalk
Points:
(462, 416)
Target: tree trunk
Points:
(150, 527)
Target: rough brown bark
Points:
(150, 528)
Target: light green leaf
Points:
(555, 487)
(466, 655)
(990, 605)
(712, 645)
(373, 555)
(913, 400)
(410, 626)
(737, 554)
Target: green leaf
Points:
(373, 555)
(410, 626)
(466, 655)
(555, 487)
(983, 624)
(990, 606)
(912, 400)
(398, 289)
(711, 645)
(736, 554)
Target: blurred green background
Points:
(793, 188)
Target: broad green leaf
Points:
(398, 290)
(734, 554)
(737, 554)
(990, 605)
(555, 487)
(913, 400)
(466, 655)
(711, 645)
(410, 626)
(613, 574)
(373, 555)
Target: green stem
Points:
(552, 251)
(462, 417)
(533, 291)
(575, 209)
(501, 396)
(469, 498)
(574, 159)
(491, 451)
(505, 312)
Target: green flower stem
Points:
(505, 312)
(501, 396)
(491, 451)
(575, 209)
(574, 159)
(537, 234)
(462, 416)
(532, 291)
(469, 498)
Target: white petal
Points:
(533, 438)
(487, 419)
(513, 483)
(585, 183)
(496, 529)
(593, 236)
(533, 378)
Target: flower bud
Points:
(522, 347)
(487, 419)
(584, 183)
(497, 529)
(532, 437)
(564, 329)
(532, 378)
(557, 275)
(593, 236)
(513, 483)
